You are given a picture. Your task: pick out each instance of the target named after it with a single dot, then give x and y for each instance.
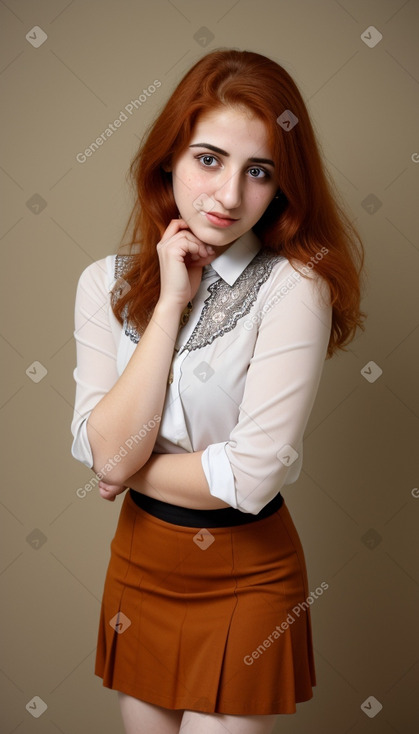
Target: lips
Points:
(222, 216)
(219, 220)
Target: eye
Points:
(258, 172)
(207, 160)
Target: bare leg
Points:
(140, 717)
(194, 722)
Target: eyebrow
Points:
(223, 152)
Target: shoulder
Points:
(303, 281)
(98, 278)
(96, 281)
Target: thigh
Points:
(194, 722)
(140, 717)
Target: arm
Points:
(175, 478)
(139, 393)
(136, 397)
(264, 450)
(96, 373)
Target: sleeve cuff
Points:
(219, 474)
(80, 448)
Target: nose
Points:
(229, 191)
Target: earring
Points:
(279, 192)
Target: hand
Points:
(182, 257)
(110, 491)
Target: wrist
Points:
(168, 311)
(173, 311)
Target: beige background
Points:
(355, 504)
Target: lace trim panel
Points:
(227, 304)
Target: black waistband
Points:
(222, 518)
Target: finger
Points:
(176, 225)
(194, 246)
(106, 496)
(199, 255)
(202, 255)
(108, 486)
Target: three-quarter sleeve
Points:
(96, 370)
(264, 449)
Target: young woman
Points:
(199, 355)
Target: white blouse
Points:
(244, 378)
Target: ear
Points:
(166, 167)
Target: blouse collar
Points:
(231, 263)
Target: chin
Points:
(217, 238)
(218, 241)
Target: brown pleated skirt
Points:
(207, 620)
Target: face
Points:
(225, 179)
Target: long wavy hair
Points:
(305, 217)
